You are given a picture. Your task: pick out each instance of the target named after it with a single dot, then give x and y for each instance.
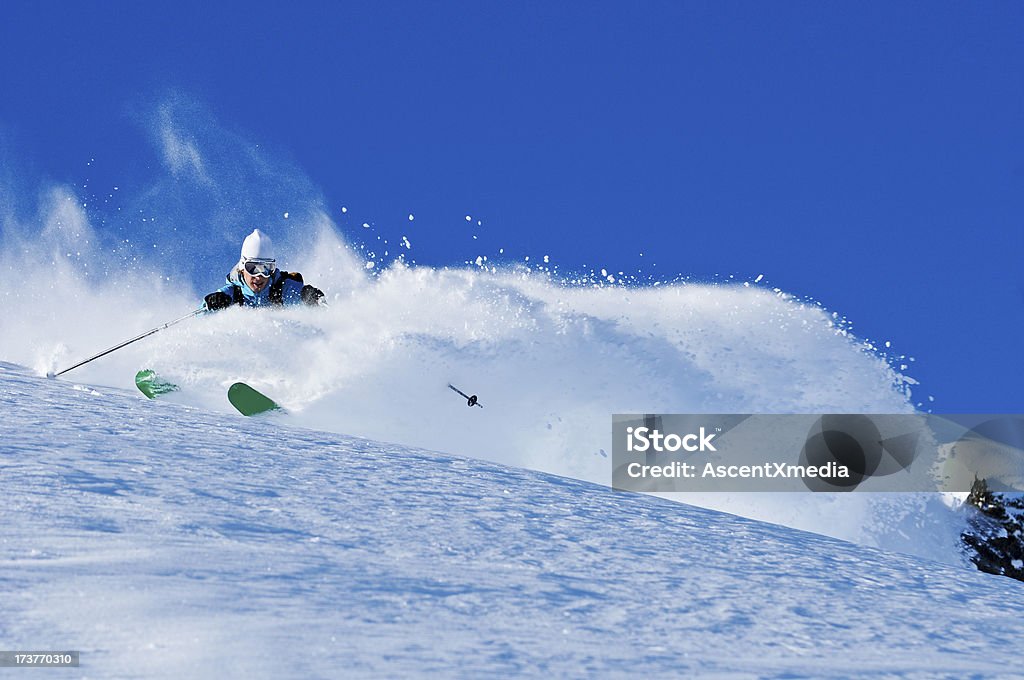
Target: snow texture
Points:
(163, 540)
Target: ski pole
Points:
(128, 342)
(471, 401)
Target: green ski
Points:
(249, 402)
(152, 385)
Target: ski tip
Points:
(250, 402)
(152, 385)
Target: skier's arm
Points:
(295, 293)
(311, 295)
(220, 298)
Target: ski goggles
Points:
(259, 267)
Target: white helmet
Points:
(257, 246)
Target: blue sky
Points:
(867, 155)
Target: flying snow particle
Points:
(405, 242)
(286, 215)
(411, 217)
(758, 279)
(469, 218)
(365, 225)
(344, 209)
(370, 265)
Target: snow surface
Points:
(163, 540)
(550, 360)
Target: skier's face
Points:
(256, 282)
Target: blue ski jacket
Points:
(285, 288)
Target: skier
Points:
(256, 281)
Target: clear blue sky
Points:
(869, 155)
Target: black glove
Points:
(311, 295)
(218, 300)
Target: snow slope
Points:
(551, 357)
(163, 540)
